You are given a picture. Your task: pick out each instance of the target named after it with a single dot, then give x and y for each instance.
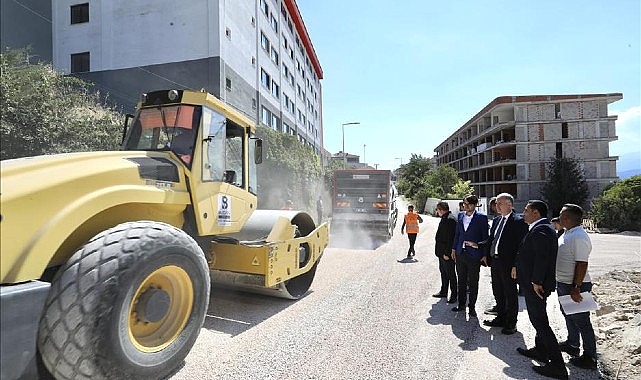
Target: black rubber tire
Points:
(85, 329)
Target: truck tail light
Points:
(342, 204)
(380, 205)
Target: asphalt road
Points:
(370, 315)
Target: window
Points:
(80, 13)
(274, 56)
(564, 130)
(275, 90)
(273, 22)
(80, 62)
(265, 79)
(286, 100)
(275, 121)
(228, 84)
(265, 116)
(264, 41)
(264, 7)
(559, 150)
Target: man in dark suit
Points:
(535, 270)
(443, 250)
(468, 251)
(508, 229)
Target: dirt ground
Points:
(617, 323)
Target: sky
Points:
(412, 72)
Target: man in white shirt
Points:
(572, 278)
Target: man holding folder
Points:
(572, 279)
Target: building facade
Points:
(255, 55)
(507, 145)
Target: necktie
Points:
(497, 236)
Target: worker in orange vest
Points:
(410, 223)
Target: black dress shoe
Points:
(458, 308)
(533, 353)
(584, 361)
(452, 300)
(496, 322)
(439, 295)
(570, 349)
(508, 330)
(552, 370)
(472, 313)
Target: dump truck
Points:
(365, 200)
(107, 258)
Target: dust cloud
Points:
(353, 237)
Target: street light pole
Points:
(344, 156)
(399, 158)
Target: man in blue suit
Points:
(468, 251)
(536, 273)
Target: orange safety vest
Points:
(411, 223)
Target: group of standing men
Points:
(525, 250)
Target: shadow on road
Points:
(234, 311)
(473, 337)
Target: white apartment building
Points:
(253, 54)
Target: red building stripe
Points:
(294, 13)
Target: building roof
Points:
(292, 8)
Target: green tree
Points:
(565, 184)
(460, 190)
(44, 112)
(619, 207)
(441, 181)
(420, 179)
(412, 179)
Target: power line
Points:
(32, 11)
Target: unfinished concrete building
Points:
(507, 145)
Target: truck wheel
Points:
(129, 304)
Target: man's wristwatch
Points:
(577, 286)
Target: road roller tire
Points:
(128, 305)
